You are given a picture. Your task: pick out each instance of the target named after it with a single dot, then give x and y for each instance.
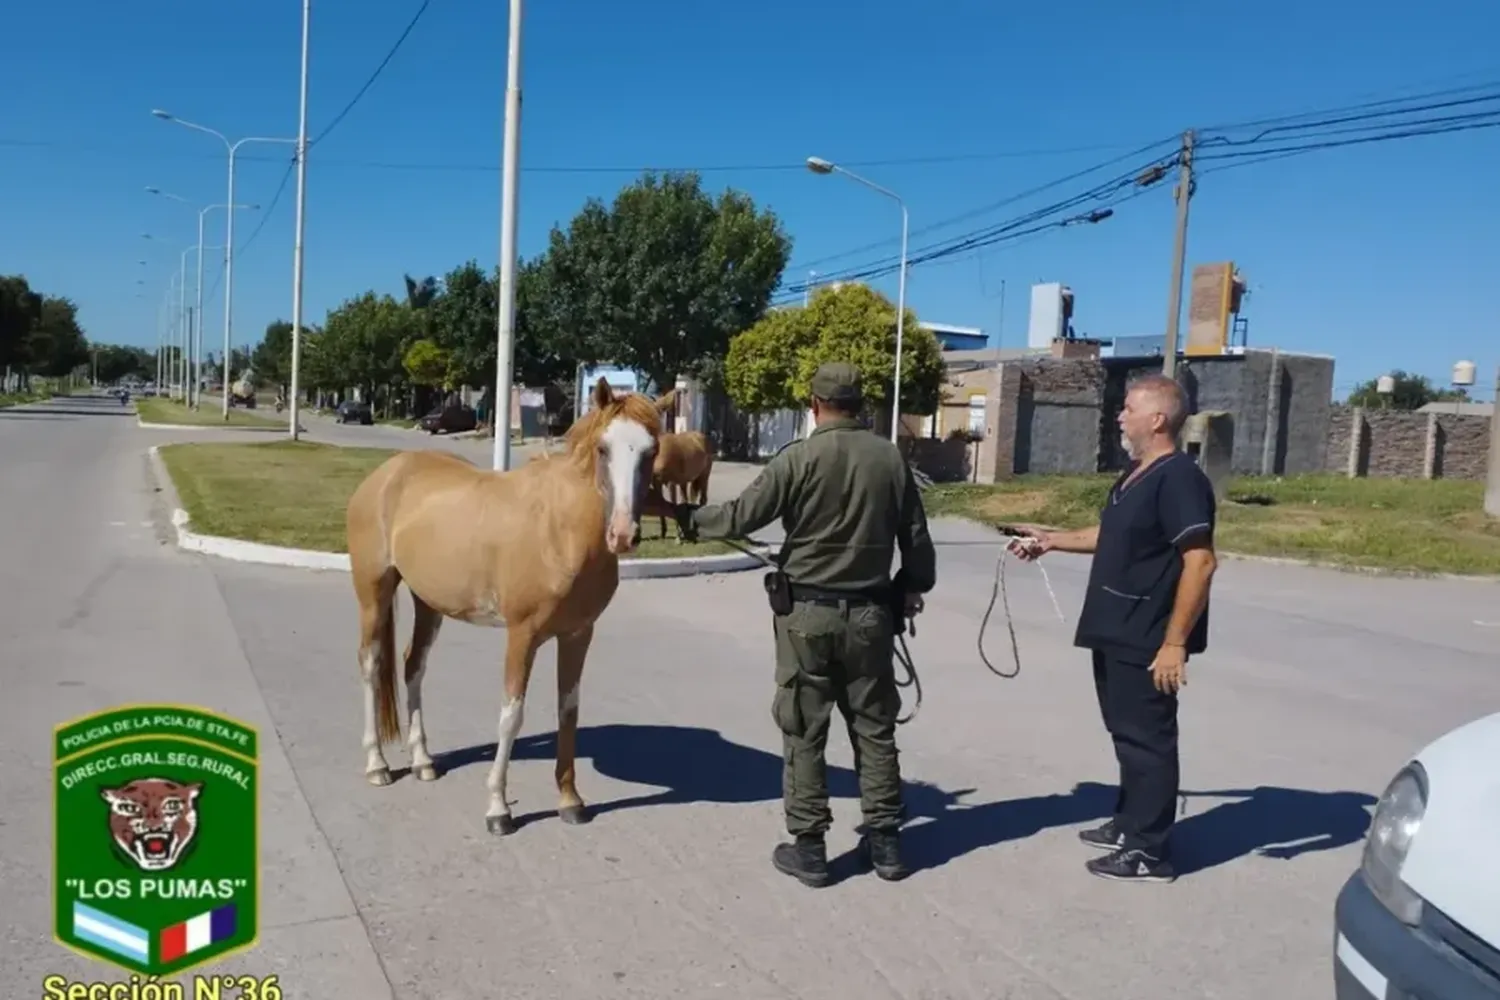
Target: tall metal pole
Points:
(295, 387)
(195, 357)
(228, 277)
(1179, 257)
(900, 329)
(505, 339)
(177, 364)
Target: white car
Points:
(1420, 919)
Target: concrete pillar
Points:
(1356, 440)
(1430, 450)
(1273, 416)
(997, 459)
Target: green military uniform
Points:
(847, 501)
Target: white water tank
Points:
(1385, 385)
(1463, 373)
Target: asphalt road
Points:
(1317, 687)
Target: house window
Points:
(976, 414)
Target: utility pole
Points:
(510, 163)
(1492, 481)
(1184, 195)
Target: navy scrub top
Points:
(1137, 563)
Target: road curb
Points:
(239, 550)
(146, 426)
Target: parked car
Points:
(450, 419)
(1421, 916)
(353, 412)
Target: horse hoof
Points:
(574, 815)
(379, 778)
(426, 773)
(500, 826)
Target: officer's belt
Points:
(824, 595)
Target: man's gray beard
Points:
(1129, 448)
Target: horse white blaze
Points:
(512, 713)
(626, 445)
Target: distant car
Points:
(1421, 916)
(450, 419)
(353, 412)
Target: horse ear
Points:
(603, 394)
(665, 403)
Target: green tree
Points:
(362, 344)
(857, 324)
(272, 357)
(20, 311)
(662, 278)
(58, 344)
(427, 364)
(761, 366)
(119, 361)
(1412, 392)
(464, 319)
(771, 365)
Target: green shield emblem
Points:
(156, 837)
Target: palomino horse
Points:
(535, 549)
(683, 464)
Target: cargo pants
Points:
(837, 655)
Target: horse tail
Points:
(700, 485)
(387, 721)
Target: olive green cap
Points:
(837, 382)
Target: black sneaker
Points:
(882, 851)
(806, 860)
(1105, 838)
(1132, 865)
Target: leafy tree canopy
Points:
(771, 365)
(662, 278)
(1412, 392)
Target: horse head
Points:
(617, 441)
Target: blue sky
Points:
(1383, 255)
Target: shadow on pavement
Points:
(693, 765)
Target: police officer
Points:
(1145, 612)
(847, 500)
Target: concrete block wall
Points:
(1404, 444)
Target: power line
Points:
(391, 54)
(1255, 152)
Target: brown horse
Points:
(683, 464)
(535, 549)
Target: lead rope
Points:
(903, 654)
(999, 590)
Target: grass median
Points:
(294, 493)
(156, 410)
(1410, 525)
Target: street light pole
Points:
(505, 336)
(233, 148)
(195, 347)
(294, 388)
(819, 165)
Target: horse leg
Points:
(679, 494)
(423, 634)
(377, 668)
(666, 494)
(572, 650)
(520, 654)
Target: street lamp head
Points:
(158, 112)
(818, 165)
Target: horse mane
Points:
(580, 439)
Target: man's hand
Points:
(1036, 544)
(683, 513)
(1169, 669)
(914, 605)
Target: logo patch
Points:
(156, 837)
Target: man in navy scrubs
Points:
(1145, 613)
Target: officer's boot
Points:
(882, 849)
(806, 860)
